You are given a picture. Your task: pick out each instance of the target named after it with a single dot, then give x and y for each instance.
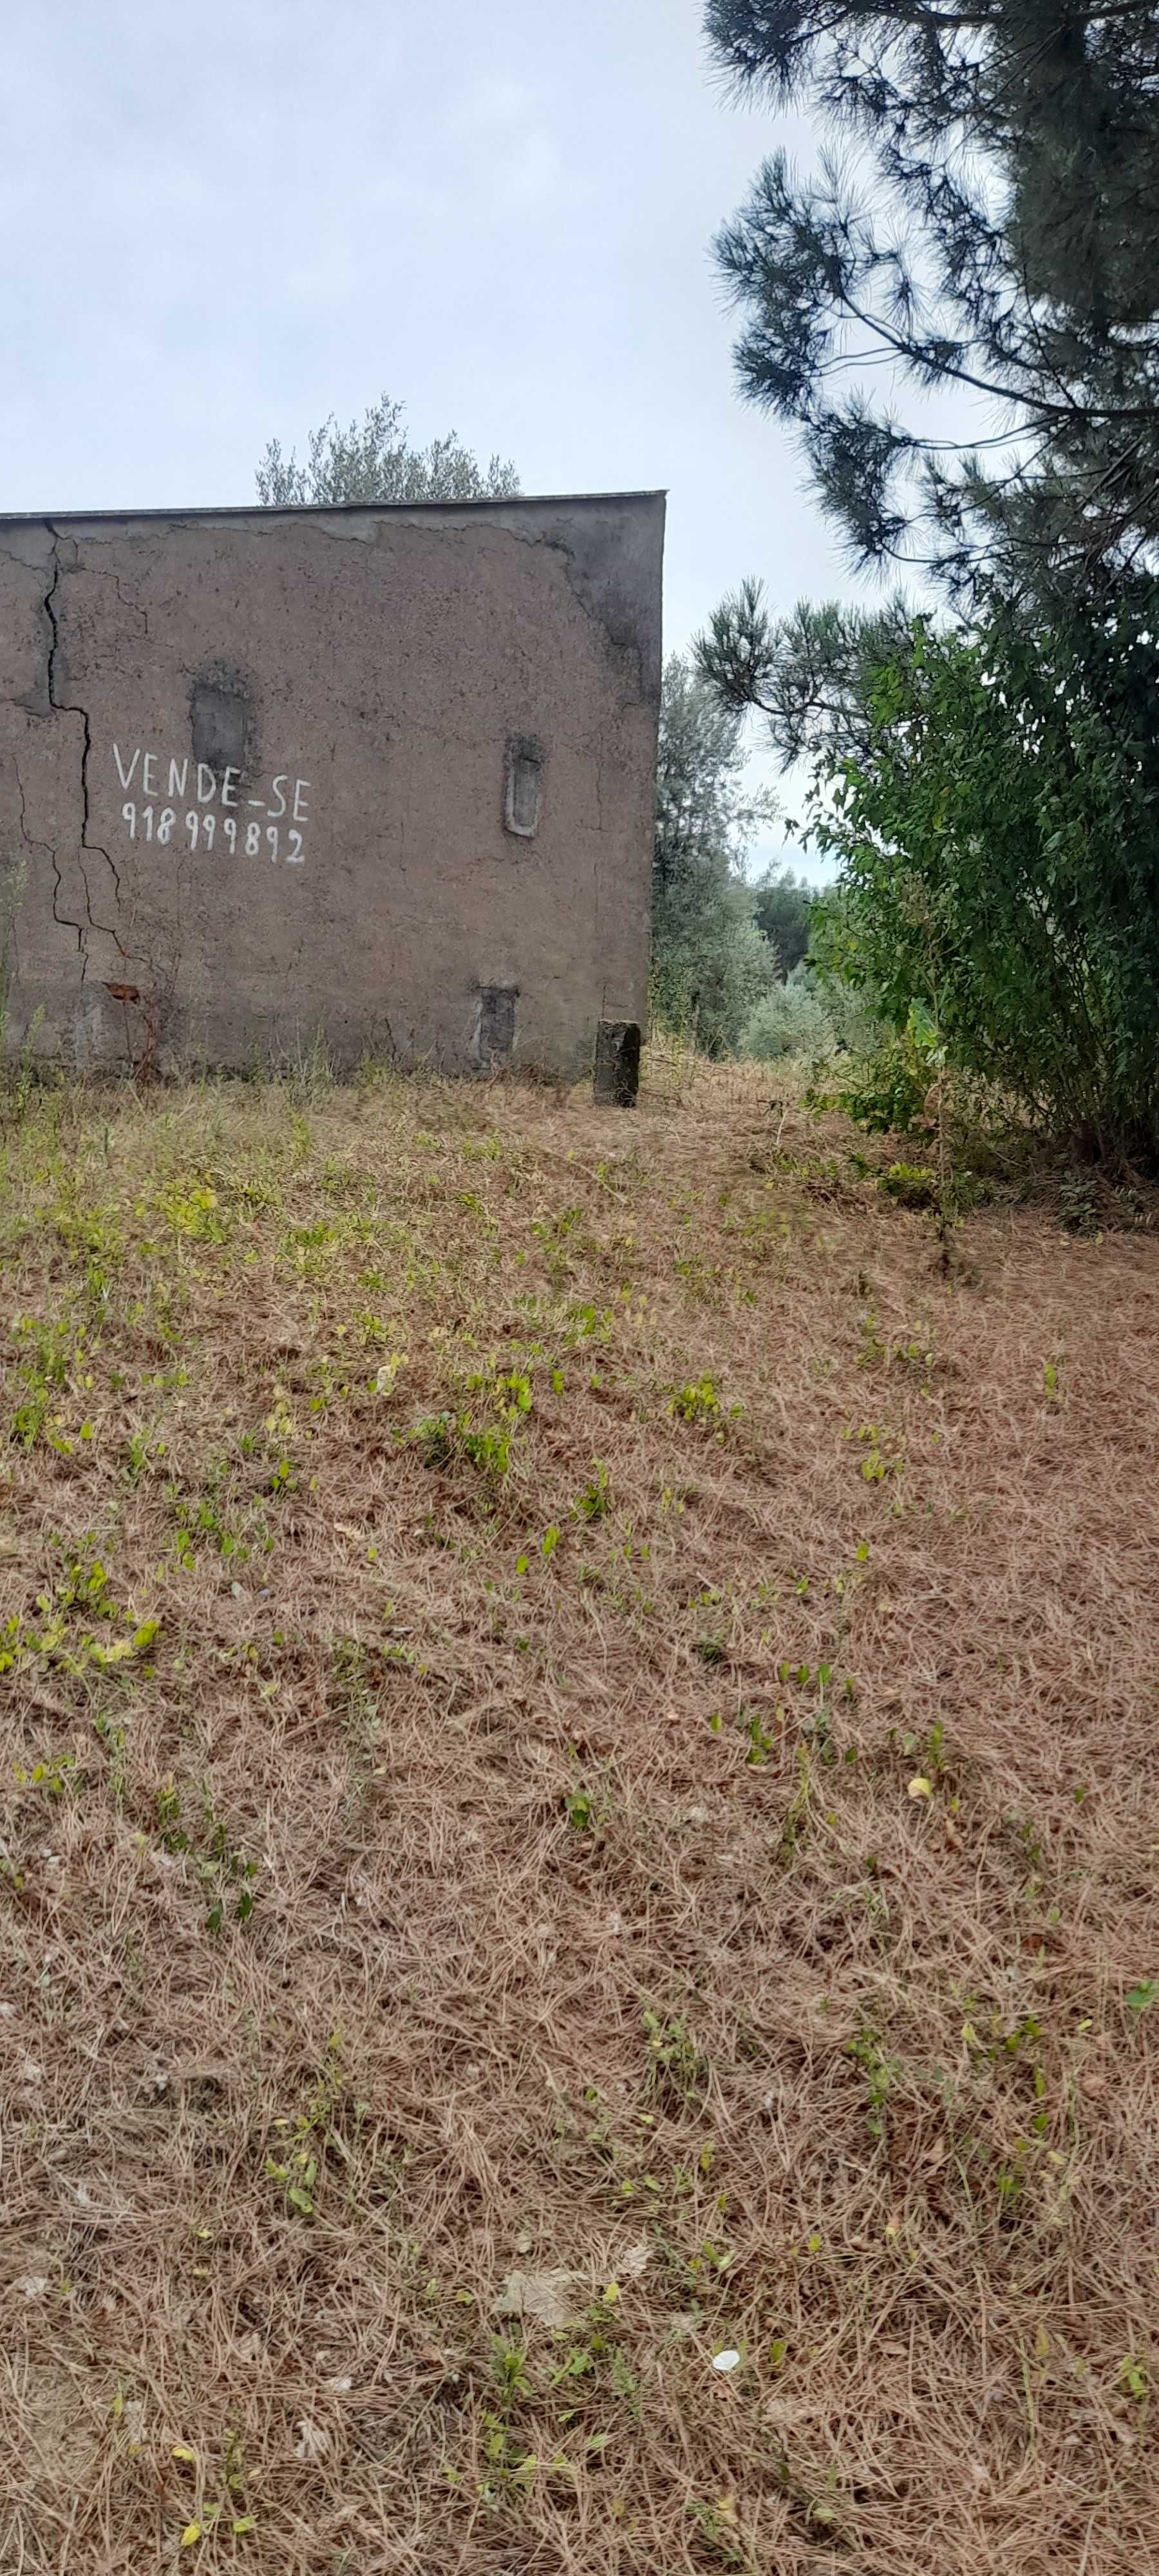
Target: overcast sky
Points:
(226, 220)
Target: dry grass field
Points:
(578, 1848)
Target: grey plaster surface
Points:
(378, 777)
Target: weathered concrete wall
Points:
(382, 777)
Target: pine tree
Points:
(993, 226)
(810, 673)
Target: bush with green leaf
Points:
(709, 959)
(789, 1020)
(783, 911)
(886, 1089)
(812, 1015)
(998, 841)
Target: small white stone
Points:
(726, 2361)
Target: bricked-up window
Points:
(220, 715)
(523, 797)
(496, 1024)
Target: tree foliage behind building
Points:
(709, 960)
(373, 459)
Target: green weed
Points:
(674, 2062)
(221, 1866)
(880, 2074)
(594, 1499)
(697, 1402)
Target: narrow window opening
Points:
(524, 792)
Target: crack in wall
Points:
(31, 843)
(96, 572)
(133, 604)
(66, 706)
(64, 918)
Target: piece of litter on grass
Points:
(340, 2386)
(919, 1788)
(635, 2262)
(546, 2295)
(726, 2360)
(33, 2285)
(313, 2441)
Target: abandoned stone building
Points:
(377, 777)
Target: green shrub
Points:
(886, 1091)
(709, 960)
(853, 1014)
(1000, 866)
(788, 1020)
(913, 1185)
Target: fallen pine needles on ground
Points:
(577, 1848)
